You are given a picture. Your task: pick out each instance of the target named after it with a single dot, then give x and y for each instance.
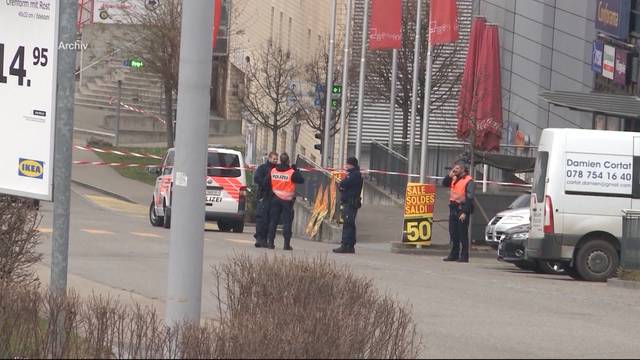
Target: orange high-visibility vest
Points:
(458, 189)
(282, 184)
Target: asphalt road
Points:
(485, 309)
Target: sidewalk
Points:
(106, 180)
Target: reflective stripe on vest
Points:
(282, 185)
(458, 190)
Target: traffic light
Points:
(336, 90)
(318, 136)
(335, 103)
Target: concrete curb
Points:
(103, 191)
(438, 250)
(625, 284)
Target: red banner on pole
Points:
(443, 22)
(216, 20)
(385, 29)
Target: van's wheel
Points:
(550, 267)
(167, 216)
(571, 271)
(153, 217)
(597, 260)
(224, 226)
(238, 227)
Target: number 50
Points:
(418, 230)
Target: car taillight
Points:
(243, 191)
(548, 215)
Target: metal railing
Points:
(387, 160)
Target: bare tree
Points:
(315, 72)
(444, 77)
(158, 43)
(267, 96)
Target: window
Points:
(168, 163)
(289, 34)
(540, 175)
(613, 123)
(280, 28)
(308, 41)
(283, 141)
(600, 122)
(273, 11)
(634, 21)
(222, 165)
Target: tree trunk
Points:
(168, 112)
(274, 145)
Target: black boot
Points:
(344, 250)
(449, 258)
(270, 246)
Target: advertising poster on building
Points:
(418, 213)
(612, 17)
(598, 174)
(597, 51)
(608, 62)
(620, 76)
(28, 52)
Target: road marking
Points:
(98, 232)
(239, 241)
(45, 230)
(148, 235)
(118, 205)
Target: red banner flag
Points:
(217, 10)
(443, 22)
(385, 29)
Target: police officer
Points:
(350, 189)
(460, 208)
(282, 183)
(263, 199)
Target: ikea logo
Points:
(31, 168)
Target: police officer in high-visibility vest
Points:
(460, 209)
(282, 182)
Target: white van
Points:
(583, 180)
(226, 193)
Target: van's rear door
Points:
(538, 194)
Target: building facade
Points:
(545, 46)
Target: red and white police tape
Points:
(250, 166)
(135, 109)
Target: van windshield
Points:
(540, 175)
(223, 165)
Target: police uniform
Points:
(460, 201)
(262, 203)
(282, 181)
(350, 190)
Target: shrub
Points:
(268, 308)
(282, 307)
(19, 238)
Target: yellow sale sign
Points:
(418, 213)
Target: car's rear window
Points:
(521, 201)
(540, 175)
(223, 165)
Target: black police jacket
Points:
(351, 186)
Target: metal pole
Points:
(485, 177)
(328, 91)
(363, 69)
(117, 136)
(392, 106)
(81, 60)
(63, 144)
(345, 87)
(425, 117)
(184, 290)
(414, 89)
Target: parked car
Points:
(516, 214)
(226, 192)
(512, 250)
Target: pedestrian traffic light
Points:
(335, 103)
(336, 90)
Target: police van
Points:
(583, 180)
(225, 196)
